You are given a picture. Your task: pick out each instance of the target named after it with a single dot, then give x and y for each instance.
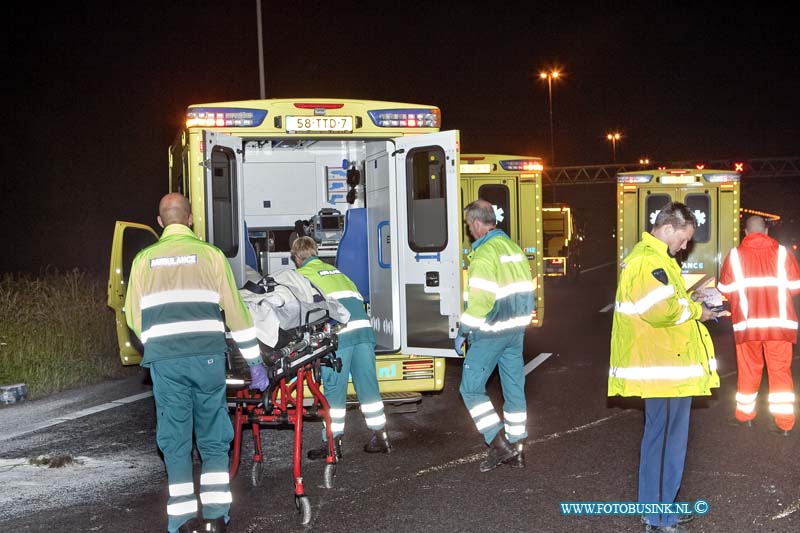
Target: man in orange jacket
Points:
(759, 278)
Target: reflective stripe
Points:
(215, 497)
(516, 258)
(253, 352)
(746, 407)
(339, 295)
(187, 507)
(214, 478)
(481, 409)
(483, 284)
(472, 321)
(515, 417)
(337, 413)
(375, 421)
(738, 277)
(658, 372)
(371, 407)
(746, 398)
(244, 335)
(179, 296)
(781, 397)
(686, 314)
(487, 421)
(781, 408)
(356, 324)
(520, 287)
(517, 322)
(646, 302)
(337, 427)
(759, 323)
(712, 364)
(784, 282)
(181, 489)
(175, 328)
(515, 430)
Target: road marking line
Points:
(536, 361)
(585, 270)
(607, 308)
(789, 510)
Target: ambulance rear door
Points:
(427, 235)
(224, 182)
(700, 259)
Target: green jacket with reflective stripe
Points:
(659, 348)
(500, 289)
(177, 291)
(339, 287)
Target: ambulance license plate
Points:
(329, 124)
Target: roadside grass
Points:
(56, 332)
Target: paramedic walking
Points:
(356, 351)
(759, 278)
(661, 352)
(177, 291)
(499, 307)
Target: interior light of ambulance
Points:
(475, 168)
(219, 117)
(406, 118)
(521, 164)
(634, 178)
(672, 180)
(721, 177)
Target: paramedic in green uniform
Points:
(177, 291)
(356, 351)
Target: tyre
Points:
(303, 505)
(329, 475)
(257, 473)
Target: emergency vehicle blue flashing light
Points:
(721, 177)
(634, 178)
(224, 117)
(521, 164)
(405, 118)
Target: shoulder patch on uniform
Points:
(661, 276)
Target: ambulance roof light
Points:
(634, 178)
(522, 164)
(722, 177)
(406, 118)
(307, 105)
(222, 117)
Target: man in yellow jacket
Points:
(661, 352)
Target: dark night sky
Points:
(98, 89)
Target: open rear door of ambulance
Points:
(427, 232)
(224, 217)
(129, 239)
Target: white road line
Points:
(536, 361)
(607, 308)
(793, 508)
(585, 270)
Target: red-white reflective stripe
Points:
(781, 284)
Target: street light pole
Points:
(260, 50)
(614, 137)
(550, 76)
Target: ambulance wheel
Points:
(329, 475)
(257, 473)
(303, 505)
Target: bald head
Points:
(755, 224)
(174, 209)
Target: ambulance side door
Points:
(129, 239)
(427, 233)
(224, 209)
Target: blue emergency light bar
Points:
(722, 177)
(405, 118)
(224, 117)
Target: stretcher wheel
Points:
(303, 505)
(257, 473)
(329, 475)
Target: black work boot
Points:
(378, 443)
(217, 525)
(322, 452)
(519, 460)
(193, 525)
(500, 451)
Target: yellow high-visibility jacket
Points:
(659, 348)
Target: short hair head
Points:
(174, 208)
(755, 224)
(677, 215)
(303, 248)
(482, 211)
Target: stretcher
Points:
(294, 370)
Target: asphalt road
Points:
(582, 446)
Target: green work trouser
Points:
(358, 361)
(190, 393)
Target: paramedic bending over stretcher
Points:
(356, 350)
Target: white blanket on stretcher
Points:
(293, 301)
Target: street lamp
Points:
(614, 137)
(550, 76)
